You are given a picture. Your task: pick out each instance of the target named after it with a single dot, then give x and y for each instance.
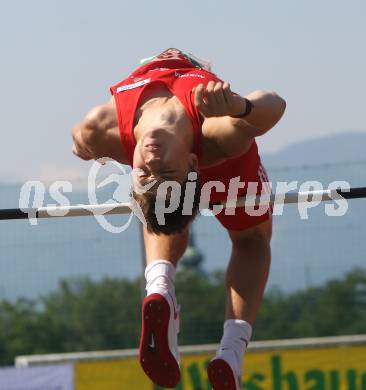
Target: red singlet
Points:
(179, 75)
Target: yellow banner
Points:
(336, 368)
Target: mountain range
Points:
(345, 146)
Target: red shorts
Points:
(245, 218)
(250, 171)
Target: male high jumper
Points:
(171, 117)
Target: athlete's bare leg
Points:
(246, 278)
(247, 271)
(159, 355)
(170, 248)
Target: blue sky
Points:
(59, 58)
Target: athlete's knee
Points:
(259, 234)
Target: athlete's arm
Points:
(225, 132)
(97, 135)
(224, 137)
(267, 110)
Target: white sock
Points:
(234, 342)
(160, 277)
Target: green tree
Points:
(202, 300)
(84, 315)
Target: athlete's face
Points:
(159, 155)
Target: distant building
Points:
(192, 259)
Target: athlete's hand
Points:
(218, 100)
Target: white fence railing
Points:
(270, 345)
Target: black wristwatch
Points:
(248, 109)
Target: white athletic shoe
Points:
(159, 355)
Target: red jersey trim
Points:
(179, 81)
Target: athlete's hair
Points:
(175, 221)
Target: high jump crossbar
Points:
(125, 208)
